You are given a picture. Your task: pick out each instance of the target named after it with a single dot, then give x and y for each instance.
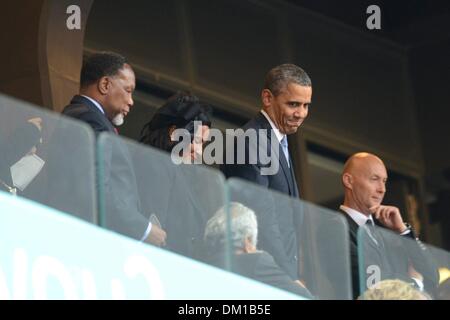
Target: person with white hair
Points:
(393, 289)
(246, 259)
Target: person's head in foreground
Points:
(393, 290)
(243, 226)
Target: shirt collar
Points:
(356, 216)
(278, 134)
(95, 103)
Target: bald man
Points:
(364, 179)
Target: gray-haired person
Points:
(247, 260)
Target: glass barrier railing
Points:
(140, 184)
(399, 267)
(300, 247)
(191, 210)
(47, 158)
(47, 255)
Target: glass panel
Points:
(48, 256)
(302, 242)
(442, 260)
(141, 184)
(47, 158)
(385, 256)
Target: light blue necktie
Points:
(284, 145)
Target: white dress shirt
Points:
(358, 217)
(278, 134)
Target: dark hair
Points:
(99, 65)
(180, 110)
(183, 96)
(279, 77)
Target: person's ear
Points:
(347, 180)
(103, 85)
(170, 132)
(266, 98)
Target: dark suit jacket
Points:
(260, 266)
(182, 206)
(393, 257)
(15, 146)
(120, 197)
(276, 221)
(83, 109)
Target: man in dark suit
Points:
(107, 83)
(285, 100)
(386, 256)
(246, 260)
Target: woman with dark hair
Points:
(180, 203)
(181, 111)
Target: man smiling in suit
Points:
(285, 98)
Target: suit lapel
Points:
(352, 226)
(294, 181)
(286, 170)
